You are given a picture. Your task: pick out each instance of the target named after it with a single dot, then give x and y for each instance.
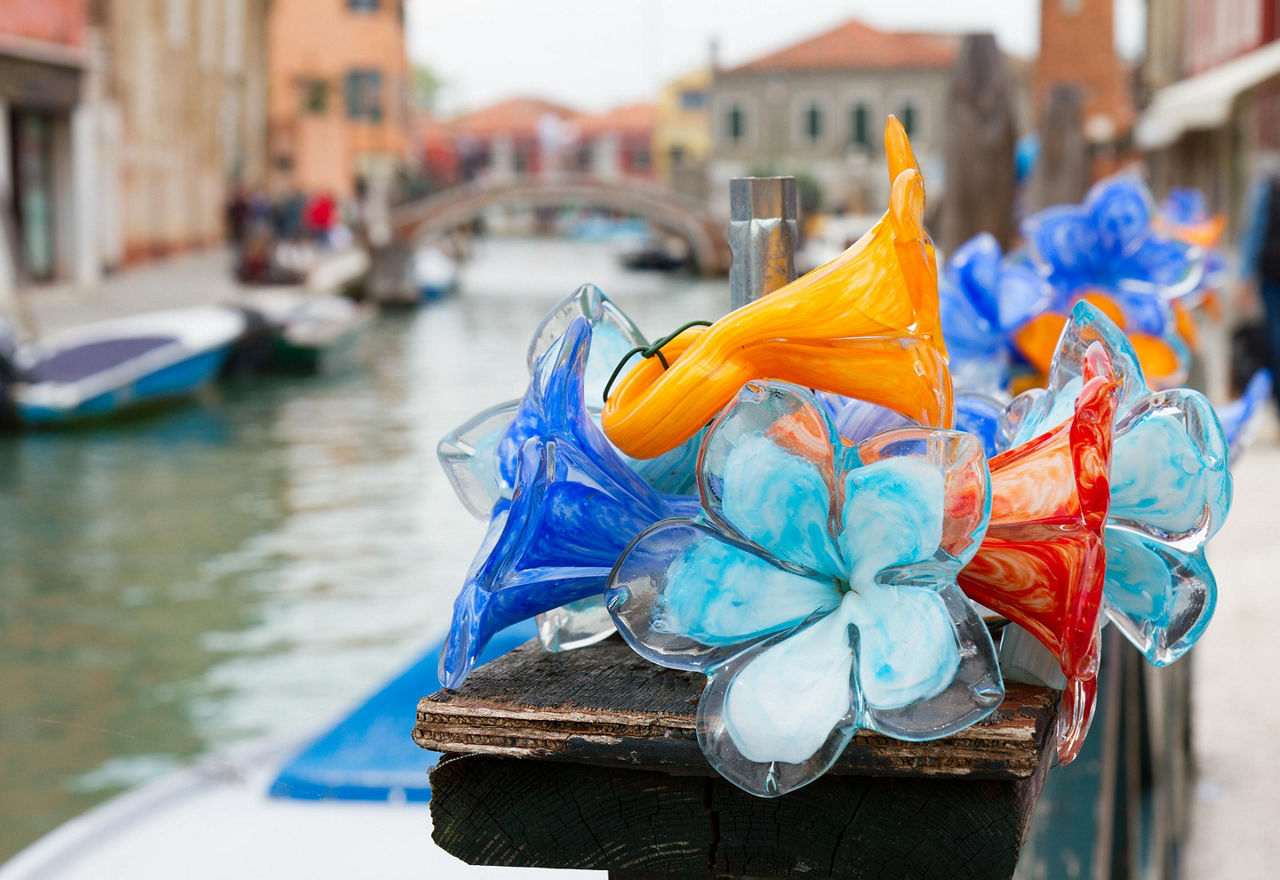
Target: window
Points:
(314, 96)
(907, 116)
(860, 127)
(691, 99)
(640, 159)
(735, 124)
(364, 95)
(812, 123)
(676, 156)
(363, 5)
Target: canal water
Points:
(250, 565)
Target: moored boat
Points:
(98, 370)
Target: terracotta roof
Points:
(631, 118)
(513, 116)
(854, 45)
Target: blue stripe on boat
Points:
(184, 377)
(370, 755)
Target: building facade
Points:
(1211, 90)
(817, 110)
(46, 157)
(682, 133)
(178, 102)
(1077, 47)
(338, 87)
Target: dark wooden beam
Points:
(588, 759)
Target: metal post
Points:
(762, 236)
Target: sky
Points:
(596, 54)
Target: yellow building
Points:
(682, 135)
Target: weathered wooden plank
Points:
(605, 705)
(645, 823)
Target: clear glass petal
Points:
(614, 334)
(1160, 597)
(767, 474)
(1169, 474)
(926, 661)
(776, 717)
(686, 596)
(575, 625)
(1085, 326)
(469, 456)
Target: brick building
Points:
(1077, 47)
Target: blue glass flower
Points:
(1239, 417)
(1170, 488)
(1108, 245)
(575, 505)
(816, 589)
(984, 299)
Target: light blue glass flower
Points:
(983, 300)
(1170, 488)
(816, 589)
(575, 506)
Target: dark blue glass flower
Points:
(575, 506)
(984, 298)
(1108, 244)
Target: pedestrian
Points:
(1260, 257)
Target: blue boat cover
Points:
(370, 754)
(79, 361)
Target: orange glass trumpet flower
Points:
(864, 325)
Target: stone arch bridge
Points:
(666, 209)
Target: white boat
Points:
(100, 369)
(350, 802)
(435, 274)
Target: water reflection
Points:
(196, 578)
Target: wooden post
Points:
(979, 146)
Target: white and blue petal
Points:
(687, 596)
(768, 475)
(1169, 474)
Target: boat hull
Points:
(181, 379)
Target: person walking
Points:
(1260, 262)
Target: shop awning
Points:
(1204, 101)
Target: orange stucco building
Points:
(338, 87)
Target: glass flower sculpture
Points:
(1169, 492)
(575, 505)
(984, 300)
(1107, 252)
(481, 457)
(816, 589)
(865, 325)
(1042, 562)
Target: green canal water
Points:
(249, 565)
